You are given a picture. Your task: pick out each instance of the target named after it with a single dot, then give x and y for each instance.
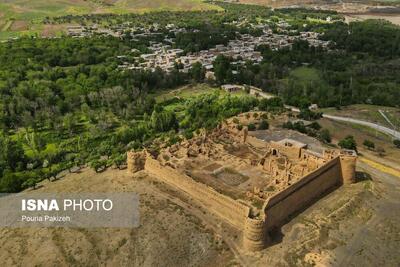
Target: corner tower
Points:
(348, 159)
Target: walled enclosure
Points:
(331, 172)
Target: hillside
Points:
(26, 15)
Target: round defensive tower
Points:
(135, 161)
(254, 236)
(348, 160)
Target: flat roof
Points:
(292, 142)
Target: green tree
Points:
(222, 67)
(98, 165)
(315, 125)
(119, 160)
(30, 182)
(251, 127)
(348, 143)
(69, 123)
(325, 136)
(197, 72)
(271, 104)
(263, 125)
(369, 144)
(163, 121)
(396, 142)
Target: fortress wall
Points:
(254, 235)
(299, 195)
(230, 210)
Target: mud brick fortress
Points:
(253, 185)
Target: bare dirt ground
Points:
(168, 235)
(50, 30)
(19, 25)
(393, 18)
(357, 225)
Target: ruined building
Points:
(253, 185)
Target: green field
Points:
(184, 92)
(305, 74)
(25, 16)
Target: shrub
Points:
(396, 143)
(272, 104)
(325, 136)
(251, 127)
(119, 160)
(188, 134)
(263, 125)
(369, 144)
(348, 143)
(98, 165)
(315, 125)
(309, 115)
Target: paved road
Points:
(380, 128)
(387, 119)
(383, 129)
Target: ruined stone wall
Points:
(232, 211)
(302, 193)
(289, 151)
(135, 161)
(255, 142)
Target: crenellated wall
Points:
(230, 210)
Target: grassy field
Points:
(306, 75)
(185, 92)
(25, 16)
